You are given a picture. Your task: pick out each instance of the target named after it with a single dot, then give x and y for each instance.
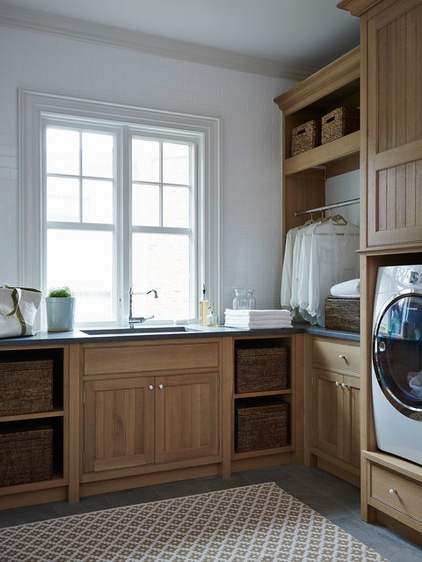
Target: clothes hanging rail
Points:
(328, 207)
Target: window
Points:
(126, 197)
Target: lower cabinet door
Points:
(118, 423)
(186, 417)
(352, 446)
(327, 413)
(336, 416)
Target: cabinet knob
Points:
(161, 386)
(392, 491)
(343, 385)
(342, 357)
(337, 383)
(151, 387)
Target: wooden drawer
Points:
(142, 357)
(336, 356)
(396, 492)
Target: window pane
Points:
(145, 160)
(62, 151)
(176, 163)
(97, 155)
(161, 262)
(97, 201)
(145, 205)
(63, 199)
(176, 207)
(84, 261)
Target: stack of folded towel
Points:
(251, 319)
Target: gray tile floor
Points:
(330, 496)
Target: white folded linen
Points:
(258, 325)
(259, 319)
(346, 289)
(258, 312)
(247, 319)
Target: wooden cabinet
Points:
(391, 218)
(34, 401)
(267, 405)
(144, 420)
(392, 119)
(393, 487)
(336, 85)
(150, 404)
(335, 432)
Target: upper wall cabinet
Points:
(332, 87)
(391, 48)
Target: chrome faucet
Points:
(139, 319)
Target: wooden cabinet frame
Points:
(335, 405)
(391, 216)
(303, 179)
(56, 488)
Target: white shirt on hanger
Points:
(333, 259)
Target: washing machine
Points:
(397, 361)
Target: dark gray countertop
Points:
(193, 331)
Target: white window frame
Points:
(34, 107)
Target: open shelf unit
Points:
(263, 398)
(304, 175)
(54, 418)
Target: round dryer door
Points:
(397, 353)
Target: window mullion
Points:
(161, 184)
(124, 219)
(80, 178)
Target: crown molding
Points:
(81, 30)
(357, 7)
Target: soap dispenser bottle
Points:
(203, 307)
(212, 319)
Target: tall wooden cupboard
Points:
(391, 219)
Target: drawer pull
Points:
(392, 491)
(160, 386)
(151, 387)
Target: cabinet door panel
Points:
(187, 409)
(394, 142)
(352, 421)
(328, 413)
(119, 423)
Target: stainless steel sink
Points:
(136, 331)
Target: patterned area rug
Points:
(246, 524)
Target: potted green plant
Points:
(60, 304)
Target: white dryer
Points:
(397, 361)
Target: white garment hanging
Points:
(304, 272)
(318, 255)
(294, 298)
(286, 273)
(333, 259)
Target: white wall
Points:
(250, 125)
(344, 188)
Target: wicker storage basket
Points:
(342, 314)
(261, 369)
(338, 123)
(306, 136)
(261, 426)
(26, 455)
(26, 387)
